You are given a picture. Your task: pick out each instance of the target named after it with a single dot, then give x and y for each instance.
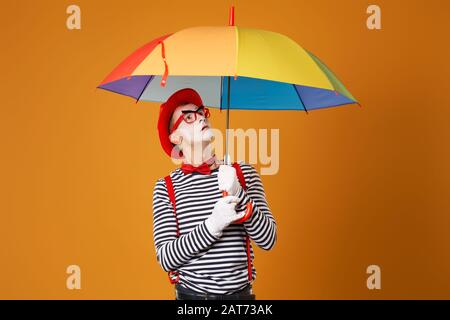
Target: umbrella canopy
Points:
(230, 67)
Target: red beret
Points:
(181, 97)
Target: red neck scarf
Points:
(204, 168)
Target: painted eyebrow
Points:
(189, 111)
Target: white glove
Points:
(228, 180)
(223, 214)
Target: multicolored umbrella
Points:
(230, 67)
(269, 70)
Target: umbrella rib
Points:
(146, 85)
(301, 100)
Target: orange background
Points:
(356, 186)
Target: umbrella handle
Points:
(248, 210)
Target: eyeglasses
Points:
(190, 116)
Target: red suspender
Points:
(172, 199)
(247, 238)
(171, 193)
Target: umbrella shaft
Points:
(227, 160)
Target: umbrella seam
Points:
(301, 100)
(237, 52)
(145, 87)
(221, 87)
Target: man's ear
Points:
(175, 137)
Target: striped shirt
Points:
(206, 263)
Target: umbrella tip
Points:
(231, 17)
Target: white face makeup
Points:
(190, 133)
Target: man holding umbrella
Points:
(200, 237)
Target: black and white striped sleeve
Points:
(173, 252)
(261, 226)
